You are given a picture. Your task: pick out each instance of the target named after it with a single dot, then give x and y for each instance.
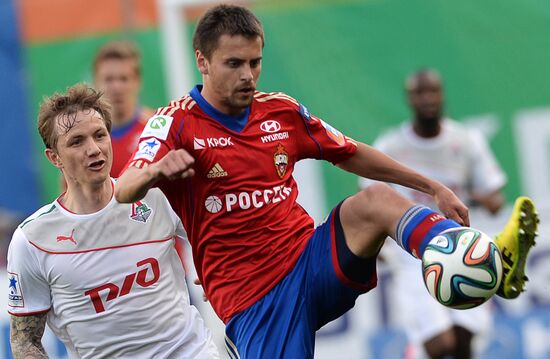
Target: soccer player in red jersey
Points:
(224, 156)
(117, 73)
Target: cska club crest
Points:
(281, 160)
(140, 211)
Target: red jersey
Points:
(239, 210)
(125, 139)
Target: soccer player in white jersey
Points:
(105, 276)
(460, 158)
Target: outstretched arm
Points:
(370, 163)
(135, 182)
(26, 335)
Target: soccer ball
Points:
(462, 268)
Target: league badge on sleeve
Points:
(281, 160)
(305, 113)
(333, 133)
(147, 149)
(158, 126)
(15, 296)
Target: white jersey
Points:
(460, 158)
(111, 282)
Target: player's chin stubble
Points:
(239, 103)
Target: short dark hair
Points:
(63, 107)
(225, 20)
(422, 72)
(118, 50)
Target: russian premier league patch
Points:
(15, 296)
(333, 133)
(147, 149)
(305, 113)
(158, 126)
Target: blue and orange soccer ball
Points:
(462, 268)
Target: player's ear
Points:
(202, 63)
(53, 157)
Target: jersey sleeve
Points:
(28, 291)
(323, 141)
(487, 176)
(159, 136)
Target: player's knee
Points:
(380, 205)
(379, 193)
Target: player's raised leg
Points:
(514, 243)
(379, 211)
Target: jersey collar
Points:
(74, 215)
(422, 142)
(234, 123)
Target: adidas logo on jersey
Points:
(216, 172)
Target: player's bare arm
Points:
(135, 182)
(26, 335)
(370, 163)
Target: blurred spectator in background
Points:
(461, 159)
(117, 73)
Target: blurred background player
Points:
(117, 73)
(104, 275)
(460, 158)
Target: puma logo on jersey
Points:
(65, 238)
(216, 172)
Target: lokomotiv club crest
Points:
(281, 160)
(140, 211)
